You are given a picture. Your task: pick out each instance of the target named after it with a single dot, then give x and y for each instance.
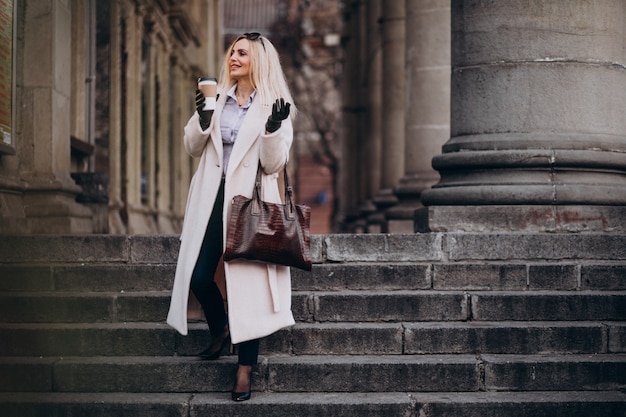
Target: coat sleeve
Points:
(195, 139)
(275, 146)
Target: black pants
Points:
(204, 287)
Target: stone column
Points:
(116, 201)
(538, 129)
(164, 142)
(181, 170)
(43, 146)
(393, 99)
(79, 71)
(373, 82)
(360, 106)
(138, 220)
(353, 109)
(427, 125)
(149, 108)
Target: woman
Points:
(250, 125)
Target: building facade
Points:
(457, 115)
(466, 115)
(101, 92)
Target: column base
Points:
(376, 220)
(141, 220)
(401, 218)
(117, 226)
(526, 218)
(376, 223)
(56, 213)
(42, 206)
(12, 218)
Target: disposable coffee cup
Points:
(208, 86)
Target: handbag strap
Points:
(290, 207)
(256, 193)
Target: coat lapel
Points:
(216, 133)
(252, 126)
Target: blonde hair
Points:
(266, 73)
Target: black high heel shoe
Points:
(217, 345)
(246, 395)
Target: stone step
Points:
(92, 307)
(87, 277)
(424, 325)
(537, 372)
(339, 248)
(425, 373)
(331, 306)
(158, 339)
(305, 374)
(86, 249)
(479, 275)
(475, 404)
(356, 306)
(121, 276)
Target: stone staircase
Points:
(424, 325)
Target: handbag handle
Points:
(256, 195)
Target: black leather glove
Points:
(205, 115)
(280, 111)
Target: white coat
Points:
(259, 295)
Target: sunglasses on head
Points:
(253, 36)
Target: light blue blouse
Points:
(231, 120)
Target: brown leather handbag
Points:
(269, 232)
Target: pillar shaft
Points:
(393, 92)
(427, 125)
(353, 110)
(392, 110)
(134, 136)
(44, 94)
(116, 117)
(538, 133)
(374, 82)
(164, 144)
